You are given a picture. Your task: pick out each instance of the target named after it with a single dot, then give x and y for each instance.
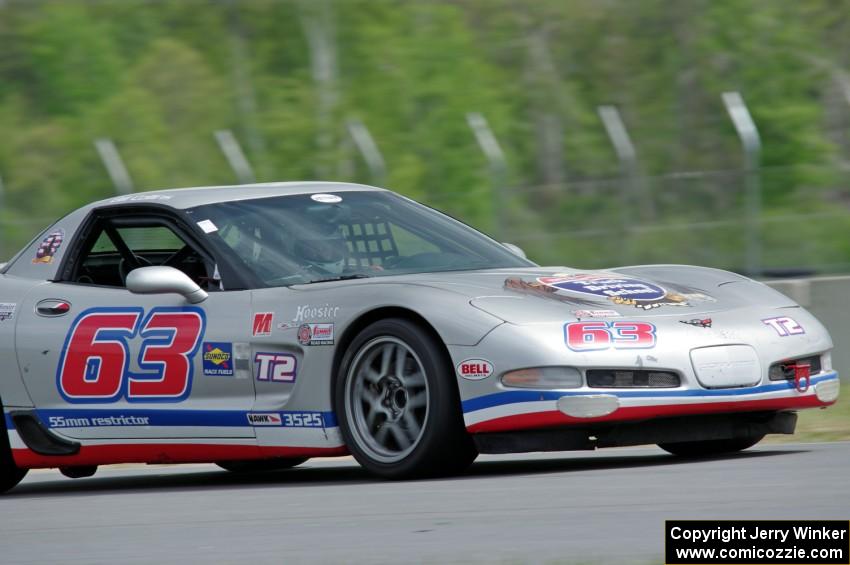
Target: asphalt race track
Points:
(591, 507)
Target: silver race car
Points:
(258, 326)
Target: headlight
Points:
(543, 377)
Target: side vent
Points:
(39, 438)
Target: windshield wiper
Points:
(339, 278)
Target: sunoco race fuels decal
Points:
(218, 359)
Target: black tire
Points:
(261, 465)
(10, 474)
(710, 447)
(439, 443)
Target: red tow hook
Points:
(802, 377)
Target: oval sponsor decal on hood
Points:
(606, 285)
(475, 369)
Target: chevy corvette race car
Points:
(258, 326)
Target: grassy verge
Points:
(830, 424)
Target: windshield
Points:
(309, 238)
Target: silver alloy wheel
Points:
(386, 399)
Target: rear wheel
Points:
(261, 465)
(710, 447)
(399, 405)
(10, 474)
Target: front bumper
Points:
(527, 409)
(490, 406)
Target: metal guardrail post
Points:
(2, 203)
(229, 145)
(626, 154)
(751, 142)
(498, 168)
(114, 165)
(365, 143)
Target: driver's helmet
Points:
(324, 250)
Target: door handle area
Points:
(52, 307)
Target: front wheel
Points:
(399, 404)
(710, 447)
(10, 474)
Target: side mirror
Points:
(157, 280)
(515, 249)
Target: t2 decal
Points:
(276, 367)
(598, 336)
(784, 326)
(95, 362)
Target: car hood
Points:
(547, 294)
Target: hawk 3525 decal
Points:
(95, 362)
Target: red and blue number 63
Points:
(597, 336)
(95, 362)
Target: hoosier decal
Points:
(308, 312)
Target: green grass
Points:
(825, 424)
